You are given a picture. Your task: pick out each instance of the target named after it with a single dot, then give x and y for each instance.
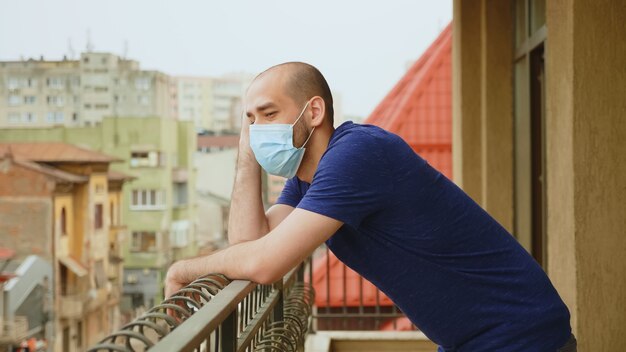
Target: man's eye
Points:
(270, 114)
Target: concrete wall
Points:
(586, 86)
(585, 133)
(482, 99)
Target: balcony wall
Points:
(71, 306)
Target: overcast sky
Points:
(362, 47)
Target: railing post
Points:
(228, 333)
(278, 313)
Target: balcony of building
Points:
(13, 330)
(217, 314)
(71, 306)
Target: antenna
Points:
(70, 49)
(89, 43)
(125, 51)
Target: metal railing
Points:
(214, 314)
(346, 301)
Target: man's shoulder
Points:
(360, 135)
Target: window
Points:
(13, 83)
(99, 274)
(55, 82)
(15, 100)
(529, 127)
(143, 83)
(30, 99)
(180, 193)
(143, 241)
(55, 100)
(14, 117)
(55, 117)
(143, 100)
(79, 335)
(98, 216)
(147, 159)
(74, 117)
(63, 221)
(101, 106)
(29, 117)
(143, 199)
(100, 89)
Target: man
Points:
(385, 212)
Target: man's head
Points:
(280, 93)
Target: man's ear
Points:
(318, 107)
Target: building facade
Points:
(37, 93)
(60, 203)
(159, 205)
(539, 140)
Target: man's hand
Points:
(246, 220)
(175, 279)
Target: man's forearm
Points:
(240, 261)
(247, 220)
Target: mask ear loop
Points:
(300, 116)
(307, 139)
(310, 134)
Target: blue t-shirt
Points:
(456, 273)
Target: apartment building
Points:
(62, 203)
(212, 103)
(38, 93)
(159, 206)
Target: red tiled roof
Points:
(334, 281)
(54, 152)
(51, 171)
(419, 107)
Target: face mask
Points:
(273, 147)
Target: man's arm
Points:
(247, 219)
(263, 260)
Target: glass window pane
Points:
(520, 22)
(537, 14)
(153, 199)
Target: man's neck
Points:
(314, 151)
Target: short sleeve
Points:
(291, 193)
(352, 180)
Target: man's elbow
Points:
(263, 274)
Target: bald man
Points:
(387, 214)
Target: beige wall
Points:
(482, 122)
(585, 146)
(585, 60)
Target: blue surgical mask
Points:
(273, 147)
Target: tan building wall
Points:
(583, 143)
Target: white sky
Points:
(362, 47)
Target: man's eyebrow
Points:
(262, 107)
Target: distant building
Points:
(62, 203)
(212, 103)
(159, 206)
(37, 93)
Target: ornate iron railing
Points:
(214, 314)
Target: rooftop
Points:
(54, 152)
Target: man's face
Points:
(267, 102)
